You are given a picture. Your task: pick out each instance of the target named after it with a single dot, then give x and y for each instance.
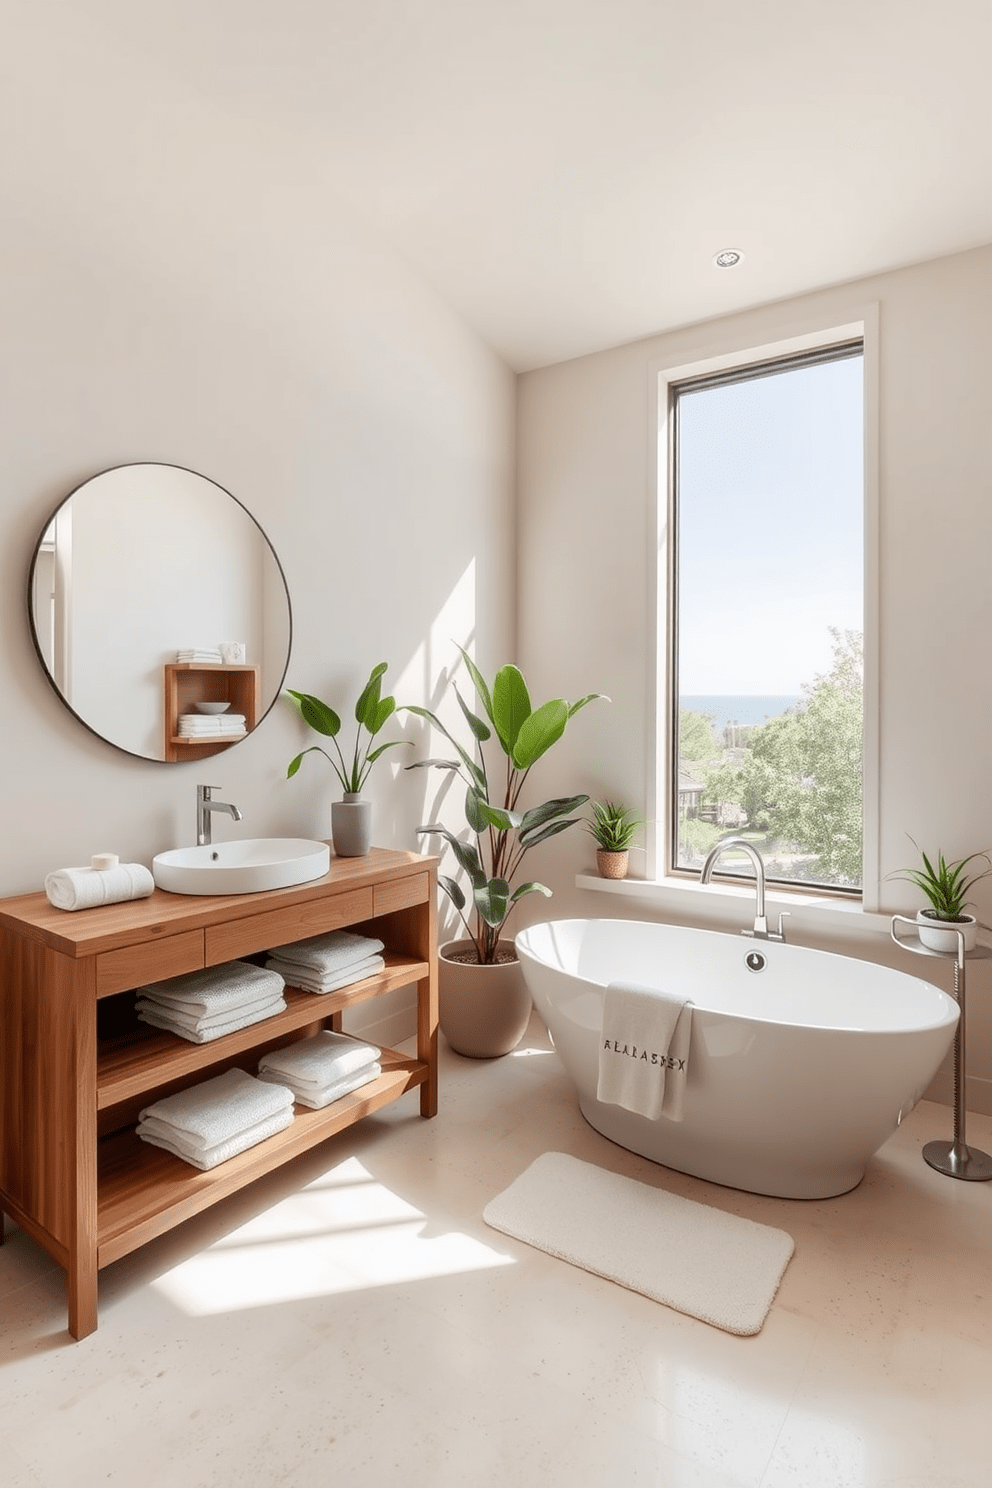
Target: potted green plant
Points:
(484, 1003)
(613, 828)
(351, 817)
(946, 886)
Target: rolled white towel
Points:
(320, 1060)
(328, 953)
(218, 1109)
(205, 1158)
(87, 888)
(308, 981)
(317, 1097)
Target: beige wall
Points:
(585, 430)
(369, 433)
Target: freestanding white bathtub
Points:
(799, 1069)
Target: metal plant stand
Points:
(956, 1158)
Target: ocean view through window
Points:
(766, 644)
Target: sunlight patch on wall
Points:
(433, 662)
(342, 1233)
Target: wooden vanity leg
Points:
(82, 1296)
(427, 1042)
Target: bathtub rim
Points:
(951, 1008)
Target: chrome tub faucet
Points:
(761, 930)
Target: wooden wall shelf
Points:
(76, 1065)
(188, 683)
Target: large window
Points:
(766, 615)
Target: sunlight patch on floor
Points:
(342, 1233)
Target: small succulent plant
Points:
(613, 826)
(944, 884)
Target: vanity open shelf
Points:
(78, 1066)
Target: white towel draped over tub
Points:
(644, 1050)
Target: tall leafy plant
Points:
(372, 712)
(511, 736)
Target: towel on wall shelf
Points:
(88, 888)
(209, 654)
(644, 1050)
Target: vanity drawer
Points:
(274, 927)
(133, 966)
(402, 893)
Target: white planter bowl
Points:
(942, 935)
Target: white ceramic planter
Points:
(938, 939)
(351, 826)
(483, 1010)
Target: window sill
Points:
(729, 906)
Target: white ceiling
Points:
(562, 172)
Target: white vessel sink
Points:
(247, 867)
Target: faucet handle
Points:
(784, 914)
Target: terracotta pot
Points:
(936, 937)
(351, 826)
(483, 1010)
(612, 864)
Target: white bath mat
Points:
(714, 1266)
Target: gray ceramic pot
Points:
(351, 826)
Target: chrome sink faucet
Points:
(761, 930)
(204, 805)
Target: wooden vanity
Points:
(76, 1066)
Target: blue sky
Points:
(771, 528)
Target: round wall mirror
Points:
(160, 612)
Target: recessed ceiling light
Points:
(728, 258)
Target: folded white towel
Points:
(169, 1022)
(86, 888)
(208, 1157)
(210, 989)
(317, 1097)
(199, 653)
(210, 720)
(328, 953)
(644, 1050)
(177, 1017)
(217, 1109)
(221, 725)
(306, 981)
(320, 1060)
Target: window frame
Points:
(662, 599)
